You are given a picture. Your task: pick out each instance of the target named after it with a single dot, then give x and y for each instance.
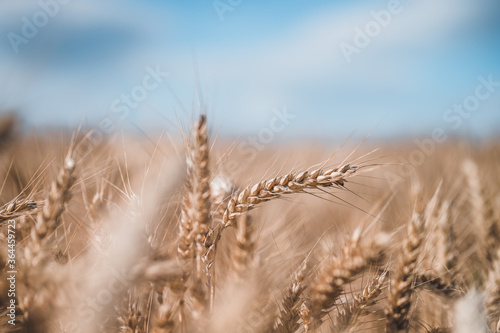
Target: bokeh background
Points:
(243, 59)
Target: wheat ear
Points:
(288, 316)
(347, 320)
(400, 293)
(267, 190)
(49, 217)
(243, 254)
(38, 302)
(195, 219)
(447, 251)
(335, 273)
(483, 214)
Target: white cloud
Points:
(312, 49)
(283, 71)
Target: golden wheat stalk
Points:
(49, 218)
(348, 317)
(243, 255)
(195, 223)
(400, 293)
(446, 245)
(338, 271)
(483, 214)
(270, 189)
(195, 220)
(39, 292)
(288, 316)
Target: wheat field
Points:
(152, 235)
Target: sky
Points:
(403, 68)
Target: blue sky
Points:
(262, 56)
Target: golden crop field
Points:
(153, 235)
